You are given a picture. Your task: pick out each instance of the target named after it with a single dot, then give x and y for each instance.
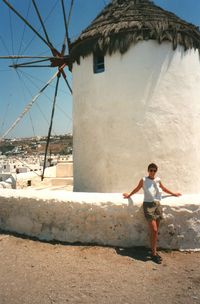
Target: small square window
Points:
(98, 64)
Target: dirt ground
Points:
(35, 272)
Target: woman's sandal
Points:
(156, 259)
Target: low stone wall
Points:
(104, 219)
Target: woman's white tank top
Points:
(152, 190)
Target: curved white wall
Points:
(104, 219)
(144, 108)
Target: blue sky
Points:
(17, 88)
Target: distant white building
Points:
(22, 172)
(11, 167)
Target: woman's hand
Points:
(177, 194)
(126, 195)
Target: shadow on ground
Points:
(136, 253)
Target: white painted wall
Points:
(64, 169)
(104, 219)
(144, 108)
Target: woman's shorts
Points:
(152, 211)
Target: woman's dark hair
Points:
(152, 166)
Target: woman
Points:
(152, 210)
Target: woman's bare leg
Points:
(153, 226)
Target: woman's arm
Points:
(168, 191)
(139, 186)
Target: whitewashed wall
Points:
(144, 108)
(104, 219)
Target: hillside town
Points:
(22, 161)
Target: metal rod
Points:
(27, 23)
(51, 124)
(15, 66)
(29, 105)
(61, 69)
(23, 57)
(24, 29)
(65, 78)
(27, 63)
(41, 21)
(70, 12)
(66, 39)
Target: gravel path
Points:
(36, 272)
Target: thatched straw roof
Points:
(123, 22)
